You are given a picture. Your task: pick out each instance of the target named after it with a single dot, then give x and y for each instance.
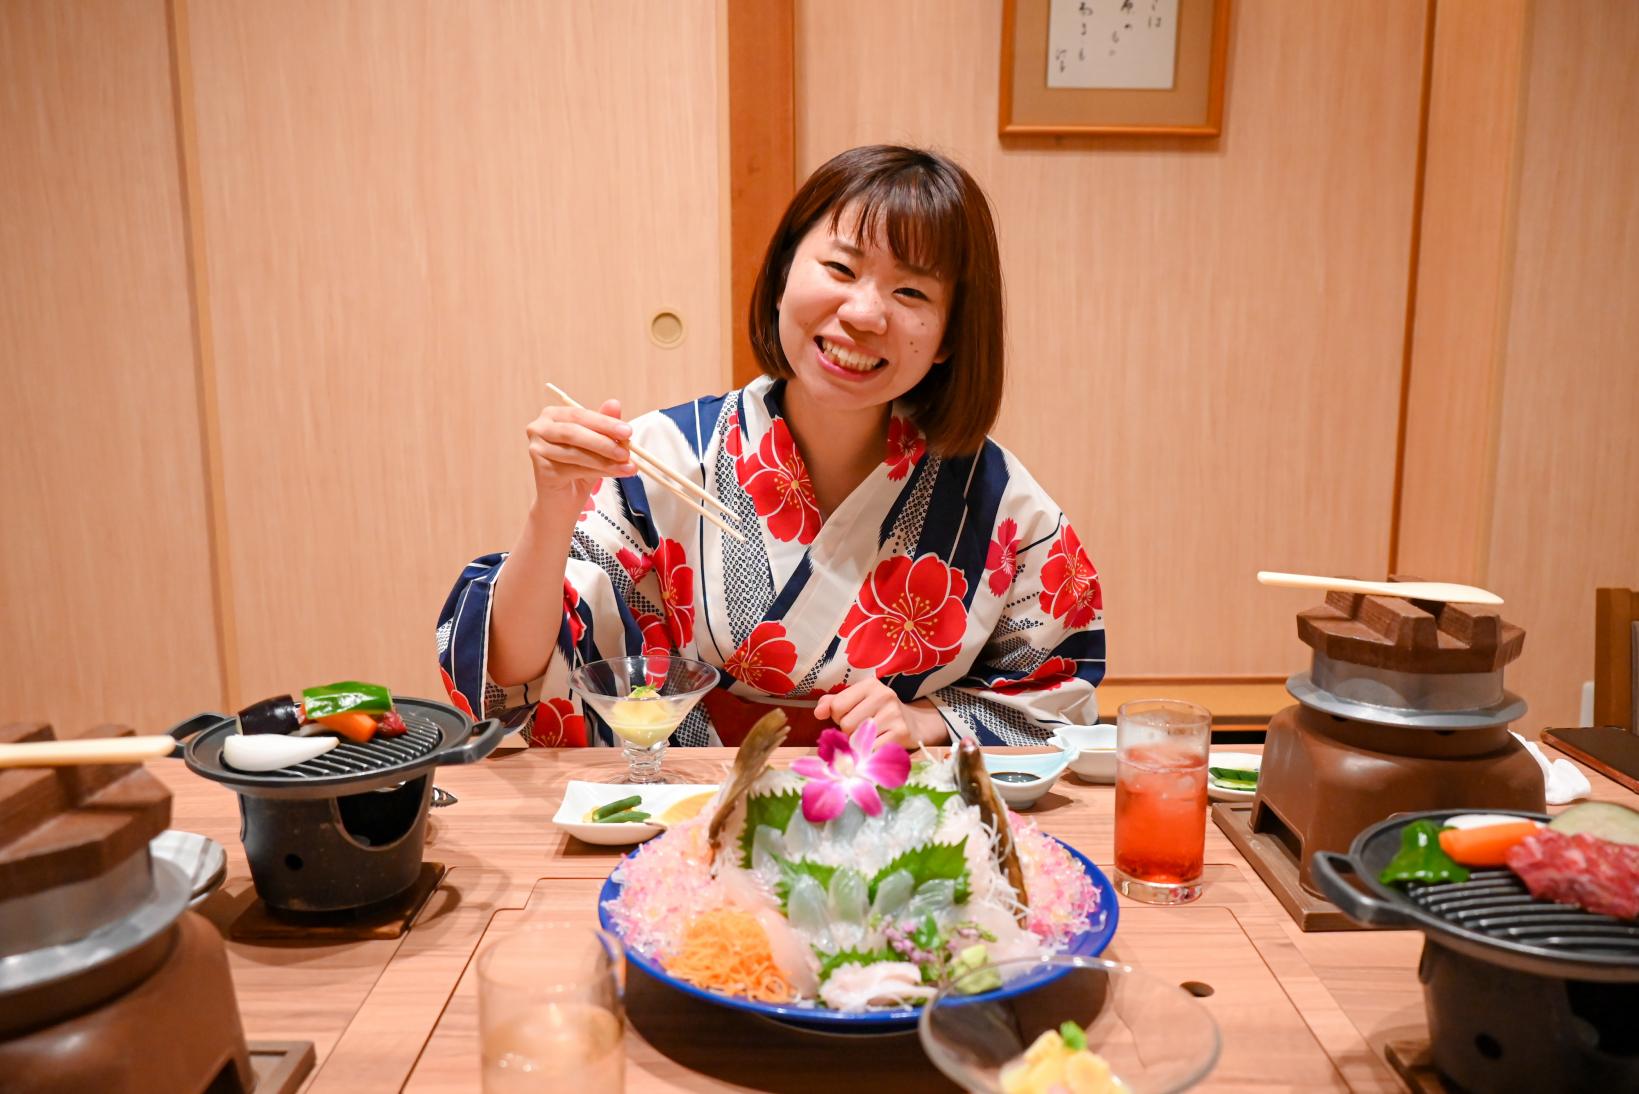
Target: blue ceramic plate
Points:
(1088, 943)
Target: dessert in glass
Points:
(643, 699)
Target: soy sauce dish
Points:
(1022, 779)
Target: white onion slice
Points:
(271, 751)
(1483, 820)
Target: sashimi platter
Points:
(842, 892)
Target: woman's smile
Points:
(845, 360)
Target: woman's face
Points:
(859, 327)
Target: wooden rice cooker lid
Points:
(1388, 632)
(67, 824)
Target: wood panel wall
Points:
(105, 575)
(416, 215)
(1566, 507)
(1204, 338)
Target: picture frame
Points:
(1159, 91)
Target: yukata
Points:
(955, 580)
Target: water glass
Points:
(1161, 748)
(549, 1011)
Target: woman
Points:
(899, 565)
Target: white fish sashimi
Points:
(270, 752)
(853, 986)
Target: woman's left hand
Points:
(907, 724)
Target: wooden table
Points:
(1297, 1011)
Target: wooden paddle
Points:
(1411, 590)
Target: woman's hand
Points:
(907, 724)
(572, 449)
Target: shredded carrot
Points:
(727, 950)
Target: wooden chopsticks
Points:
(685, 489)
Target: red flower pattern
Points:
(571, 602)
(636, 565)
(676, 590)
(656, 636)
(1003, 558)
(456, 698)
(909, 617)
(1069, 583)
(765, 659)
(777, 480)
(1045, 677)
(731, 436)
(557, 725)
(905, 447)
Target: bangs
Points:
(918, 214)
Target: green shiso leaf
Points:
(1234, 777)
(774, 810)
(933, 860)
(832, 962)
(791, 871)
(898, 795)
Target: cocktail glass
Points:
(643, 699)
(549, 1011)
(1161, 799)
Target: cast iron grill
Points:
(1495, 903)
(1491, 916)
(420, 737)
(434, 734)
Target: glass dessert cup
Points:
(643, 699)
(1155, 1036)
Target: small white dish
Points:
(1043, 769)
(1245, 761)
(1091, 751)
(200, 857)
(581, 798)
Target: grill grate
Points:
(1496, 904)
(420, 737)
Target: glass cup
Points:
(643, 699)
(1161, 748)
(549, 1012)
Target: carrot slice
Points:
(1488, 846)
(355, 725)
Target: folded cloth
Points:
(1565, 782)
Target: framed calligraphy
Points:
(1113, 67)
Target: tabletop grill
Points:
(1522, 994)
(343, 832)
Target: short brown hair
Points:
(933, 215)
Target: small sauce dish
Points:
(1091, 750)
(1022, 778)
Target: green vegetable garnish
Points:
(631, 816)
(1074, 1037)
(1235, 777)
(1421, 860)
(645, 691)
(617, 807)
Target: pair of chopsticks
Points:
(684, 488)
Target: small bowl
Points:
(1156, 1037)
(1091, 749)
(1044, 769)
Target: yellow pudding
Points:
(644, 722)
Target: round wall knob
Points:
(666, 329)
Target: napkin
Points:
(1565, 782)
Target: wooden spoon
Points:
(1411, 590)
(98, 750)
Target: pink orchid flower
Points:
(850, 767)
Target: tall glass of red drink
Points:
(1160, 799)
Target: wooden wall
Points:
(105, 573)
(1204, 338)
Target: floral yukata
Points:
(953, 580)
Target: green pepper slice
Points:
(1421, 860)
(339, 698)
